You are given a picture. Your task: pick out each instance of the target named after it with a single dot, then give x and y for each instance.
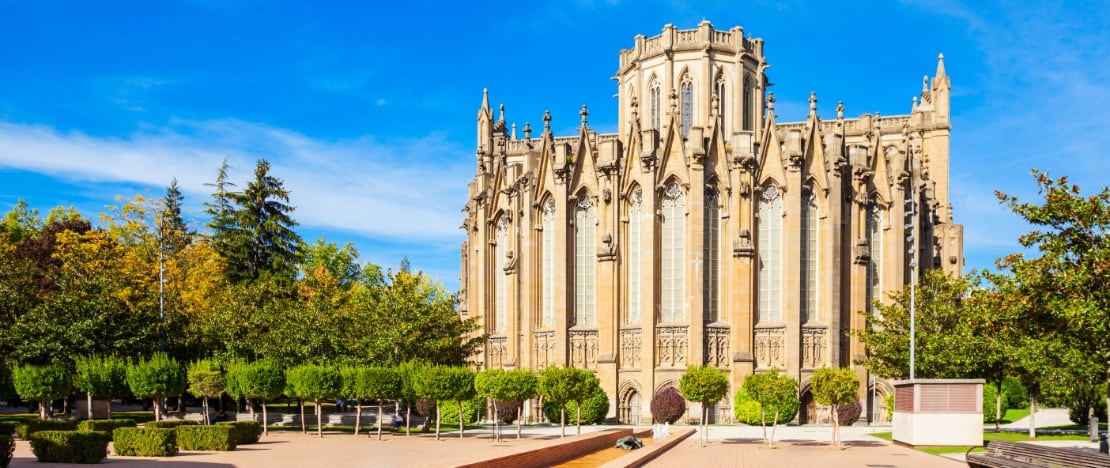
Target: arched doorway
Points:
(628, 412)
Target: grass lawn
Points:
(988, 436)
(1014, 414)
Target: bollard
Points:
(1102, 446)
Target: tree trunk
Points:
(763, 424)
(89, 399)
(496, 422)
(157, 401)
(408, 417)
(439, 416)
(835, 417)
(304, 428)
(250, 407)
(42, 409)
(774, 425)
(265, 422)
(998, 409)
(519, 419)
(563, 419)
(704, 424)
(204, 406)
(109, 407)
(358, 415)
(1032, 417)
(319, 420)
(578, 422)
(462, 424)
(379, 419)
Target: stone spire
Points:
(812, 102)
(940, 66)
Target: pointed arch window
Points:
(747, 102)
(548, 268)
(501, 301)
(635, 244)
(711, 253)
(687, 104)
(656, 95)
(770, 255)
(721, 101)
(808, 252)
(585, 261)
(673, 255)
(875, 251)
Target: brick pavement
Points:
(742, 453)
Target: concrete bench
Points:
(1002, 454)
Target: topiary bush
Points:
(193, 437)
(749, 411)
(667, 405)
(144, 442)
(246, 432)
(105, 425)
(507, 410)
(7, 448)
(850, 413)
(990, 398)
(25, 429)
(69, 446)
(169, 424)
(473, 410)
(594, 409)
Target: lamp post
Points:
(911, 236)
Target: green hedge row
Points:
(25, 429)
(69, 446)
(145, 442)
(246, 432)
(7, 448)
(169, 424)
(105, 425)
(193, 437)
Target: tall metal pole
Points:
(162, 282)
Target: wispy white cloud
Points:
(408, 189)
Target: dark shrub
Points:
(849, 414)
(169, 424)
(426, 408)
(594, 409)
(144, 442)
(246, 432)
(507, 410)
(69, 446)
(105, 425)
(1078, 409)
(25, 429)
(7, 448)
(7, 428)
(667, 406)
(193, 437)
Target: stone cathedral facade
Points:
(704, 231)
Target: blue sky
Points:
(366, 109)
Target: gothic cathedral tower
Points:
(703, 231)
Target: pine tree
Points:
(175, 233)
(221, 212)
(266, 244)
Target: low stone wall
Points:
(572, 447)
(641, 457)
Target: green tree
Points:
(41, 384)
(434, 383)
(101, 377)
(562, 385)
(221, 211)
(409, 371)
(173, 231)
(158, 377)
(518, 385)
(461, 381)
(265, 242)
(263, 380)
(773, 391)
(313, 382)
(206, 380)
(706, 385)
(378, 383)
(835, 387)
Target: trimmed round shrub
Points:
(849, 414)
(667, 405)
(7, 448)
(193, 437)
(594, 409)
(105, 425)
(169, 424)
(69, 446)
(990, 399)
(749, 411)
(246, 432)
(473, 410)
(144, 442)
(25, 429)
(507, 410)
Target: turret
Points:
(941, 95)
(485, 127)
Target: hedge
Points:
(145, 442)
(169, 424)
(69, 446)
(25, 429)
(105, 425)
(7, 447)
(195, 437)
(246, 432)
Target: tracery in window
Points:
(808, 250)
(585, 261)
(635, 270)
(501, 305)
(673, 255)
(687, 104)
(548, 269)
(770, 255)
(656, 94)
(711, 253)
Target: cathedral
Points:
(703, 232)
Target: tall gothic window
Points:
(548, 268)
(501, 306)
(656, 110)
(747, 102)
(673, 244)
(585, 261)
(635, 271)
(687, 104)
(770, 255)
(808, 252)
(711, 253)
(875, 249)
(721, 101)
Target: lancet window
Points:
(687, 104)
(673, 255)
(711, 253)
(770, 254)
(808, 252)
(501, 301)
(547, 245)
(635, 244)
(585, 261)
